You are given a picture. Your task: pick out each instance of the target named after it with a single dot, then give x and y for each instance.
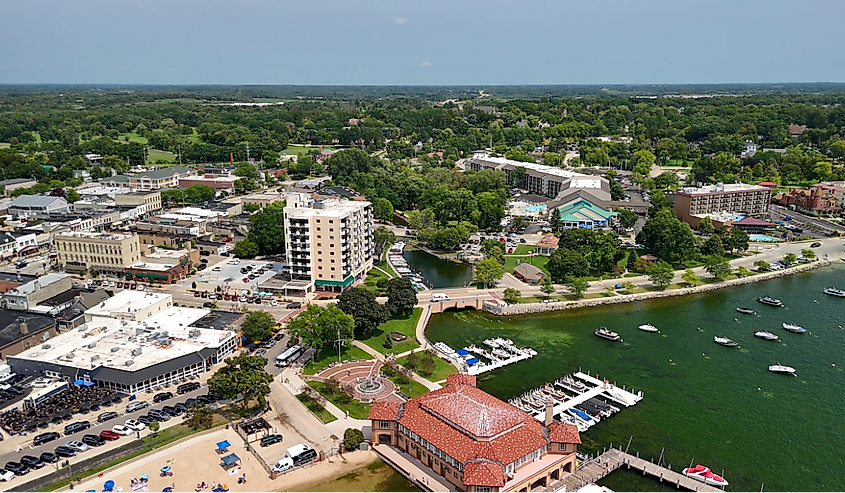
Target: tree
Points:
(739, 240)
(643, 160)
(383, 209)
(266, 229)
(243, 375)
(368, 313)
(512, 295)
(352, 438)
(71, 195)
(808, 254)
(717, 266)
(258, 326)
(627, 218)
(401, 296)
(762, 265)
(659, 202)
(577, 286)
(199, 417)
(247, 171)
(790, 258)
(565, 263)
(488, 271)
(690, 278)
(546, 286)
(318, 326)
(667, 238)
(496, 253)
(555, 220)
(706, 225)
(713, 246)
(245, 249)
(517, 176)
(661, 274)
(388, 341)
(154, 426)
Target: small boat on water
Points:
(779, 368)
(705, 475)
(501, 353)
(491, 343)
(582, 416)
(648, 328)
(794, 328)
(834, 292)
(605, 333)
(765, 334)
(770, 301)
(749, 311)
(724, 341)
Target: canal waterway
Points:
(438, 273)
(704, 403)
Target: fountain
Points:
(369, 386)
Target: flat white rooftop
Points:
(177, 316)
(41, 282)
(196, 211)
(124, 300)
(124, 345)
(151, 266)
(92, 235)
(541, 168)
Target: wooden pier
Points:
(596, 469)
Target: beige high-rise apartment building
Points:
(104, 252)
(328, 241)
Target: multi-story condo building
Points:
(151, 199)
(733, 197)
(328, 241)
(104, 252)
(151, 180)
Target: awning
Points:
(462, 352)
(343, 283)
(78, 382)
(223, 445)
(26, 249)
(472, 361)
(230, 460)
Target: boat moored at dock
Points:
(748, 311)
(794, 328)
(766, 300)
(705, 475)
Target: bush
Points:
(388, 341)
(352, 438)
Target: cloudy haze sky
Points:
(420, 42)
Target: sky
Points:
(420, 42)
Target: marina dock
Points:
(595, 469)
(508, 355)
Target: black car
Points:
(201, 266)
(17, 468)
(15, 390)
(159, 416)
(49, 458)
(5, 394)
(106, 416)
(32, 462)
(44, 438)
(815, 245)
(162, 397)
(145, 419)
(174, 410)
(93, 440)
(203, 399)
(294, 306)
(208, 304)
(63, 451)
(271, 439)
(75, 427)
(190, 402)
(187, 387)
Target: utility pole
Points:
(339, 342)
(180, 155)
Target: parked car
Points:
(64, 451)
(41, 382)
(133, 425)
(17, 468)
(93, 440)
(145, 420)
(32, 462)
(171, 410)
(77, 427)
(271, 439)
(159, 416)
(6, 475)
(187, 387)
(106, 416)
(49, 458)
(109, 435)
(44, 438)
(77, 446)
(294, 306)
(816, 245)
(163, 396)
(136, 406)
(122, 430)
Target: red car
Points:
(245, 280)
(109, 435)
(226, 240)
(197, 294)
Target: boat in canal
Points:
(724, 341)
(834, 292)
(648, 328)
(766, 300)
(765, 334)
(794, 328)
(605, 333)
(779, 368)
(743, 309)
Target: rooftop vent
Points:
(92, 345)
(136, 351)
(128, 362)
(115, 349)
(70, 356)
(95, 357)
(194, 333)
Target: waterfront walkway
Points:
(596, 469)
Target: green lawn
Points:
(154, 155)
(315, 407)
(405, 326)
(373, 277)
(329, 356)
(300, 150)
(133, 137)
(679, 163)
(386, 267)
(409, 387)
(538, 260)
(441, 369)
(356, 409)
(524, 249)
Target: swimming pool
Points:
(536, 208)
(762, 238)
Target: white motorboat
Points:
(648, 328)
(491, 342)
(705, 475)
(766, 300)
(605, 333)
(794, 328)
(765, 334)
(501, 353)
(779, 368)
(834, 292)
(724, 341)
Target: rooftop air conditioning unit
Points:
(70, 356)
(128, 362)
(136, 351)
(95, 357)
(115, 349)
(92, 345)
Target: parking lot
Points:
(225, 274)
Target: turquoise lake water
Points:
(703, 402)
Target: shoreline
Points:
(527, 308)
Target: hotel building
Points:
(733, 197)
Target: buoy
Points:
(702, 354)
(670, 360)
(833, 365)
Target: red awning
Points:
(27, 249)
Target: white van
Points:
(283, 465)
(234, 261)
(301, 454)
(439, 297)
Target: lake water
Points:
(703, 402)
(437, 272)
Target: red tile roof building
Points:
(475, 441)
(818, 199)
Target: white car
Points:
(77, 446)
(217, 269)
(283, 465)
(133, 425)
(274, 303)
(123, 429)
(112, 284)
(41, 382)
(6, 475)
(242, 299)
(141, 287)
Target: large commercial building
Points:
(476, 442)
(328, 241)
(131, 343)
(27, 296)
(150, 199)
(26, 206)
(104, 252)
(151, 180)
(733, 197)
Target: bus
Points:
(289, 356)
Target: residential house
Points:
(796, 130)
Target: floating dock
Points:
(508, 355)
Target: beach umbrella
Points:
(168, 489)
(144, 476)
(165, 469)
(109, 485)
(90, 491)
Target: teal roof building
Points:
(580, 213)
